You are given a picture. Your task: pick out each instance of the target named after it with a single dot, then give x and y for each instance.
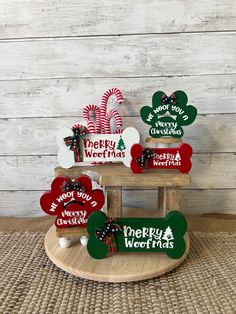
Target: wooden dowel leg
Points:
(114, 195)
(172, 198)
(162, 201)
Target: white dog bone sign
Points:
(98, 147)
(65, 156)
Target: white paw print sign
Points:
(98, 147)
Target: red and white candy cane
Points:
(107, 122)
(93, 127)
(103, 109)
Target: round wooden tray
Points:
(120, 267)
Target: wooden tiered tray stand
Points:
(121, 267)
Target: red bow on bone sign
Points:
(103, 117)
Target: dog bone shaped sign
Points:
(163, 124)
(72, 201)
(109, 235)
(99, 147)
(155, 158)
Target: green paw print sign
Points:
(168, 114)
(108, 235)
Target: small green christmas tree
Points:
(121, 144)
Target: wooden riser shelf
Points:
(116, 176)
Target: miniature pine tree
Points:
(168, 235)
(121, 144)
(177, 156)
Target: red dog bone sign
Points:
(72, 201)
(99, 147)
(155, 158)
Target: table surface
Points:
(114, 175)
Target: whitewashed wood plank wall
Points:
(56, 56)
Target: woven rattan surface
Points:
(204, 283)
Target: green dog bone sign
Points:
(108, 235)
(168, 114)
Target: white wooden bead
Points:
(84, 240)
(64, 242)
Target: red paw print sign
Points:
(72, 201)
(156, 158)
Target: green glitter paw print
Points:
(168, 114)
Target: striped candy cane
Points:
(79, 126)
(103, 107)
(107, 122)
(93, 127)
